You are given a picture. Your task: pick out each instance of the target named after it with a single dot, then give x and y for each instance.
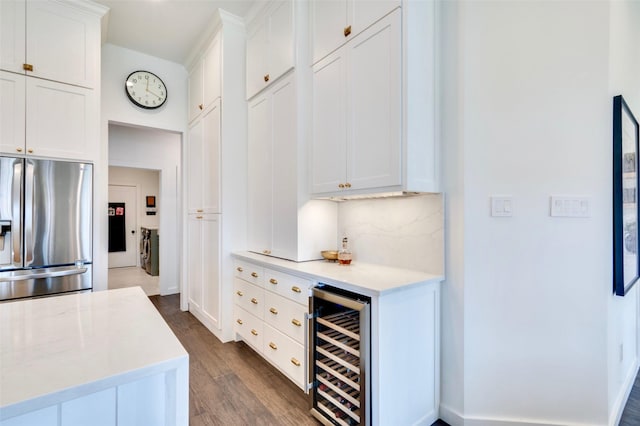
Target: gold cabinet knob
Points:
(239, 269)
(296, 322)
(273, 281)
(295, 362)
(239, 321)
(273, 346)
(254, 274)
(19, 149)
(266, 251)
(198, 217)
(201, 106)
(30, 150)
(347, 30)
(341, 185)
(274, 311)
(347, 185)
(27, 67)
(296, 289)
(199, 210)
(254, 332)
(266, 78)
(254, 300)
(239, 293)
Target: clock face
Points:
(145, 89)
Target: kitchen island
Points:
(102, 358)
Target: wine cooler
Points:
(340, 357)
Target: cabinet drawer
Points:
(289, 286)
(284, 353)
(249, 297)
(249, 272)
(285, 316)
(250, 328)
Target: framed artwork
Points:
(151, 201)
(626, 262)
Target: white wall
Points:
(117, 64)
(399, 232)
(527, 304)
(148, 183)
(156, 149)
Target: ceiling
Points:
(167, 29)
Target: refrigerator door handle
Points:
(16, 206)
(28, 212)
(32, 274)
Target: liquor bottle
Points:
(344, 255)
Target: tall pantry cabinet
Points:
(49, 78)
(215, 164)
(282, 220)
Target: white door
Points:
(127, 195)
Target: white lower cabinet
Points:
(270, 314)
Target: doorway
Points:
(123, 226)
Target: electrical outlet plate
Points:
(570, 206)
(501, 206)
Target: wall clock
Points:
(145, 89)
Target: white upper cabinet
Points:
(12, 112)
(335, 22)
(357, 112)
(205, 80)
(50, 40)
(270, 46)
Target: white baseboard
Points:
(623, 395)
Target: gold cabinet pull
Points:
(239, 269)
(27, 67)
(273, 346)
(198, 217)
(239, 321)
(239, 293)
(347, 30)
(274, 311)
(296, 289)
(341, 185)
(254, 300)
(296, 322)
(266, 78)
(254, 274)
(273, 281)
(19, 149)
(266, 251)
(199, 211)
(254, 332)
(347, 185)
(295, 362)
(30, 150)
(200, 106)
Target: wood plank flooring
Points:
(229, 384)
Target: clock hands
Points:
(154, 94)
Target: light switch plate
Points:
(501, 206)
(570, 206)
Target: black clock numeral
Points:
(146, 77)
(133, 93)
(139, 98)
(135, 81)
(154, 102)
(159, 87)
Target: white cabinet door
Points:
(260, 160)
(12, 35)
(375, 137)
(281, 41)
(211, 73)
(194, 261)
(284, 170)
(257, 68)
(210, 260)
(12, 112)
(61, 120)
(196, 103)
(194, 168)
(210, 158)
(329, 123)
(328, 26)
(62, 43)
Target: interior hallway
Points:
(134, 276)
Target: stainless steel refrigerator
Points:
(45, 227)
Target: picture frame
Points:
(626, 260)
(151, 201)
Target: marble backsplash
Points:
(404, 232)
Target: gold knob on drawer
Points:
(239, 293)
(200, 106)
(27, 67)
(19, 149)
(273, 281)
(296, 322)
(266, 251)
(347, 30)
(254, 274)
(239, 321)
(266, 78)
(296, 289)
(254, 301)
(198, 217)
(273, 346)
(199, 210)
(30, 150)
(274, 311)
(254, 332)
(341, 185)
(295, 362)
(239, 269)
(347, 185)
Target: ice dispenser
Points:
(5, 242)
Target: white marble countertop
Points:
(78, 343)
(363, 278)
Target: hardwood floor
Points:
(229, 384)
